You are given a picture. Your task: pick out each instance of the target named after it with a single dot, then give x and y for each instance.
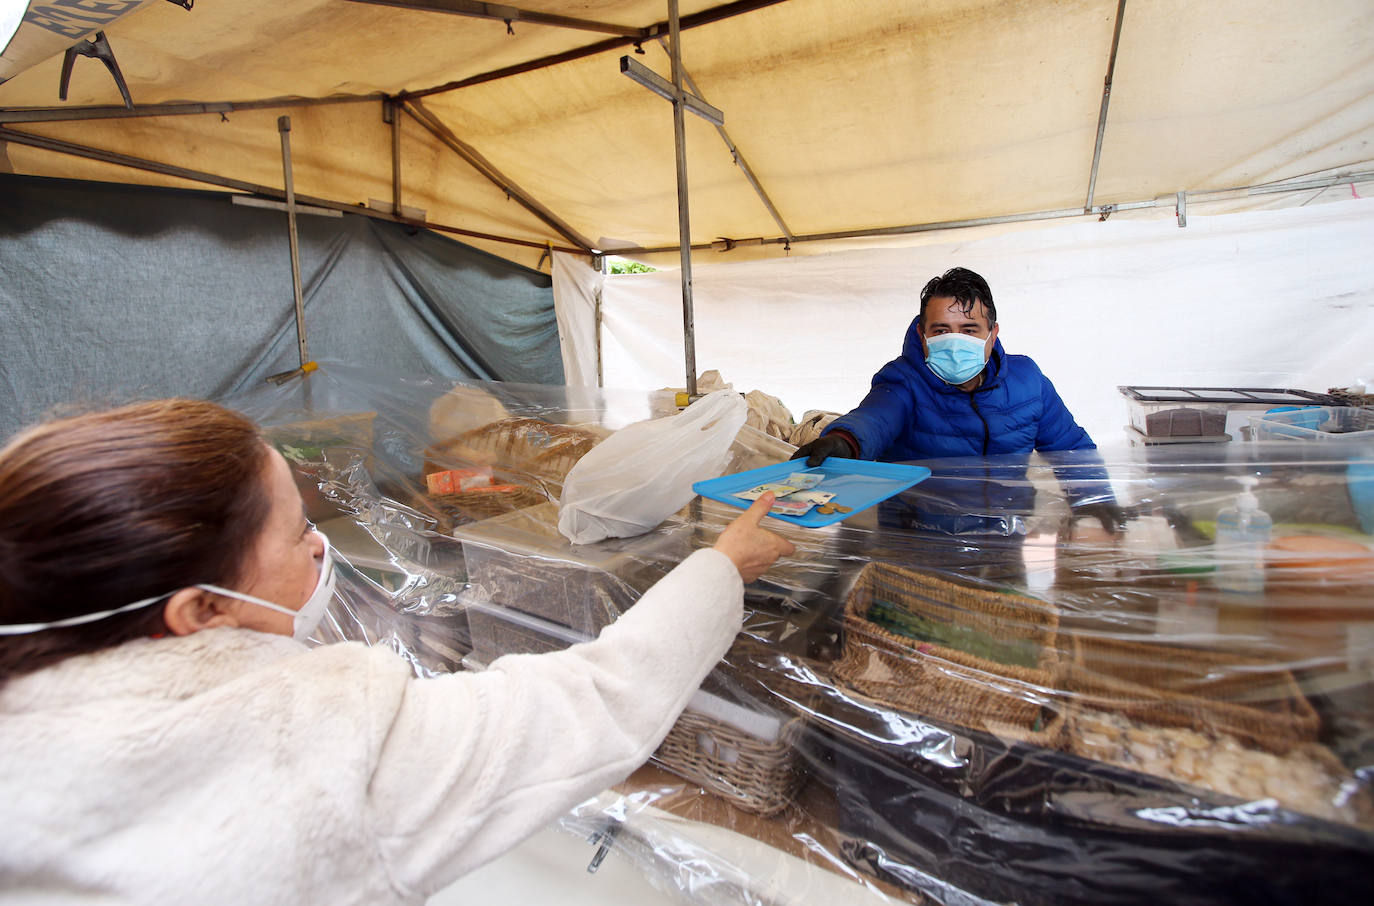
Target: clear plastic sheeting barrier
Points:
(971, 693)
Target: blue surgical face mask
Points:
(303, 623)
(955, 357)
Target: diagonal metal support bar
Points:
(152, 166)
(436, 127)
(1106, 100)
(508, 14)
(737, 155)
(65, 114)
(695, 20)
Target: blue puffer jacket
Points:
(912, 414)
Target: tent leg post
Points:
(689, 337)
(600, 372)
(391, 115)
(284, 127)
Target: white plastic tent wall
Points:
(1256, 299)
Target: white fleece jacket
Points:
(235, 767)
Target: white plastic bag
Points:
(643, 473)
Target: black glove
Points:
(824, 447)
(1106, 510)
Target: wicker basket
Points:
(1212, 692)
(941, 681)
(521, 444)
(476, 504)
(1047, 731)
(757, 775)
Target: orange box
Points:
(451, 481)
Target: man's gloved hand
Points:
(822, 448)
(1105, 510)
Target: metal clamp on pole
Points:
(606, 838)
(660, 86)
(97, 48)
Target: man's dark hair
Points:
(964, 287)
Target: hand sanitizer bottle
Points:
(1243, 530)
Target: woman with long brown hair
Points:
(165, 738)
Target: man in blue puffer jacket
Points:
(955, 392)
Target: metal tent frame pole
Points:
(1200, 196)
(735, 153)
(648, 33)
(684, 227)
(507, 14)
(1106, 99)
(284, 127)
(683, 102)
(626, 37)
(69, 114)
(271, 192)
(600, 369)
(487, 169)
(391, 115)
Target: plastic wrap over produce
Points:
(975, 691)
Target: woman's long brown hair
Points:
(105, 509)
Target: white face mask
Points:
(304, 620)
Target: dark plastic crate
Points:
(1185, 421)
(498, 630)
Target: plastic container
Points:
(1149, 405)
(1243, 532)
(1326, 424)
(523, 563)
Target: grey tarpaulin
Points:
(111, 293)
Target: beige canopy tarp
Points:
(854, 115)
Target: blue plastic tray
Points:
(856, 483)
